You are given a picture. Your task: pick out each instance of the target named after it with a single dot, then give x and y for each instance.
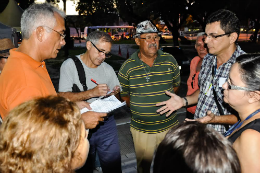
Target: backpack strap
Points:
(81, 72)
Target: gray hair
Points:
(199, 35)
(96, 36)
(250, 70)
(38, 15)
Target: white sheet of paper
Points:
(104, 105)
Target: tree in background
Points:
(102, 12)
(248, 10)
(173, 13)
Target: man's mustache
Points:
(152, 44)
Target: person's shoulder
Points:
(164, 56)
(249, 137)
(195, 59)
(69, 61)
(106, 66)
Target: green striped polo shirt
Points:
(163, 75)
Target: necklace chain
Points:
(147, 76)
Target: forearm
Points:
(224, 119)
(176, 89)
(193, 99)
(127, 100)
(77, 96)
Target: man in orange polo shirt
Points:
(25, 75)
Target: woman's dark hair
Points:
(250, 70)
(228, 21)
(193, 148)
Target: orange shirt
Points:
(23, 79)
(192, 81)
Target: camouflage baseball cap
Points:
(145, 27)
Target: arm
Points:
(127, 100)
(176, 102)
(248, 151)
(211, 118)
(99, 90)
(176, 89)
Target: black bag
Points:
(81, 74)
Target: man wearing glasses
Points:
(222, 31)
(101, 79)
(144, 77)
(25, 76)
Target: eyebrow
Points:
(212, 33)
(231, 81)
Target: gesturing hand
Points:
(206, 119)
(174, 103)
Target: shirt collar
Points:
(135, 57)
(35, 64)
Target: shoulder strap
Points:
(216, 100)
(81, 72)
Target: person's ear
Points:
(40, 33)
(233, 37)
(88, 45)
(137, 41)
(254, 96)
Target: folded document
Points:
(104, 105)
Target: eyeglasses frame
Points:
(107, 55)
(61, 35)
(216, 36)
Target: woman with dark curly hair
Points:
(43, 135)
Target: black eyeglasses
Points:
(101, 53)
(3, 57)
(61, 35)
(216, 36)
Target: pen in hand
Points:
(94, 81)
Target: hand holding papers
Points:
(104, 105)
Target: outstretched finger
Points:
(187, 119)
(161, 109)
(161, 103)
(169, 113)
(169, 93)
(164, 111)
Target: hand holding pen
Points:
(100, 89)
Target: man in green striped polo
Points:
(144, 78)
